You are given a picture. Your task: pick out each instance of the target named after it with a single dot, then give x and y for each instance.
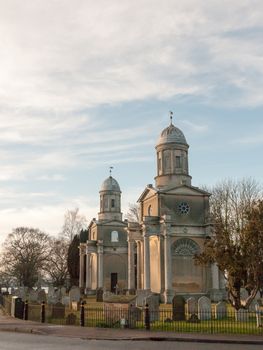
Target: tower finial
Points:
(111, 167)
(171, 117)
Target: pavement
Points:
(11, 324)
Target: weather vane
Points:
(171, 116)
(111, 167)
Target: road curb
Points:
(134, 339)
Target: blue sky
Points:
(86, 85)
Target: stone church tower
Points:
(103, 257)
(156, 254)
(173, 228)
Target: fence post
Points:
(43, 312)
(147, 317)
(25, 315)
(82, 314)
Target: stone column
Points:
(168, 291)
(139, 285)
(100, 264)
(81, 266)
(147, 283)
(131, 274)
(88, 284)
(167, 263)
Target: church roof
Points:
(110, 184)
(172, 134)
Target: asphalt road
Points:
(20, 341)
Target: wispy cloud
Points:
(196, 127)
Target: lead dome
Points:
(172, 134)
(110, 184)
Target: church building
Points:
(155, 254)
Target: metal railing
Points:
(87, 315)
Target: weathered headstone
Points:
(178, 308)
(153, 304)
(191, 307)
(75, 306)
(53, 297)
(258, 315)
(243, 295)
(140, 297)
(58, 310)
(220, 310)
(41, 296)
(99, 295)
(74, 294)
(204, 308)
(63, 291)
(252, 305)
(22, 292)
(242, 315)
(117, 308)
(65, 300)
(32, 297)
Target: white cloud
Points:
(199, 128)
(84, 54)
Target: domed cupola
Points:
(172, 158)
(172, 134)
(110, 200)
(110, 184)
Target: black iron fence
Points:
(88, 315)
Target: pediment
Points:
(147, 193)
(186, 190)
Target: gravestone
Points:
(75, 306)
(140, 297)
(252, 305)
(53, 297)
(178, 308)
(134, 315)
(191, 307)
(153, 304)
(99, 295)
(220, 310)
(258, 315)
(63, 291)
(58, 310)
(74, 294)
(204, 308)
(41, 296)
(118, 309)
(71, 319)
(243, 295)
(32, 297)
(241, 315)
(22, 292)
(65, 300)
(51, 290)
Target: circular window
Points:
(184, 208)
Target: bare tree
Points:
(25, 255)
(74, 222)
(237, 242)
(57, 269)
(133, 214)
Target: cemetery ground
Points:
(166, 325)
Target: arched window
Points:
(149, 210)
(186, 247)
(114, 236)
